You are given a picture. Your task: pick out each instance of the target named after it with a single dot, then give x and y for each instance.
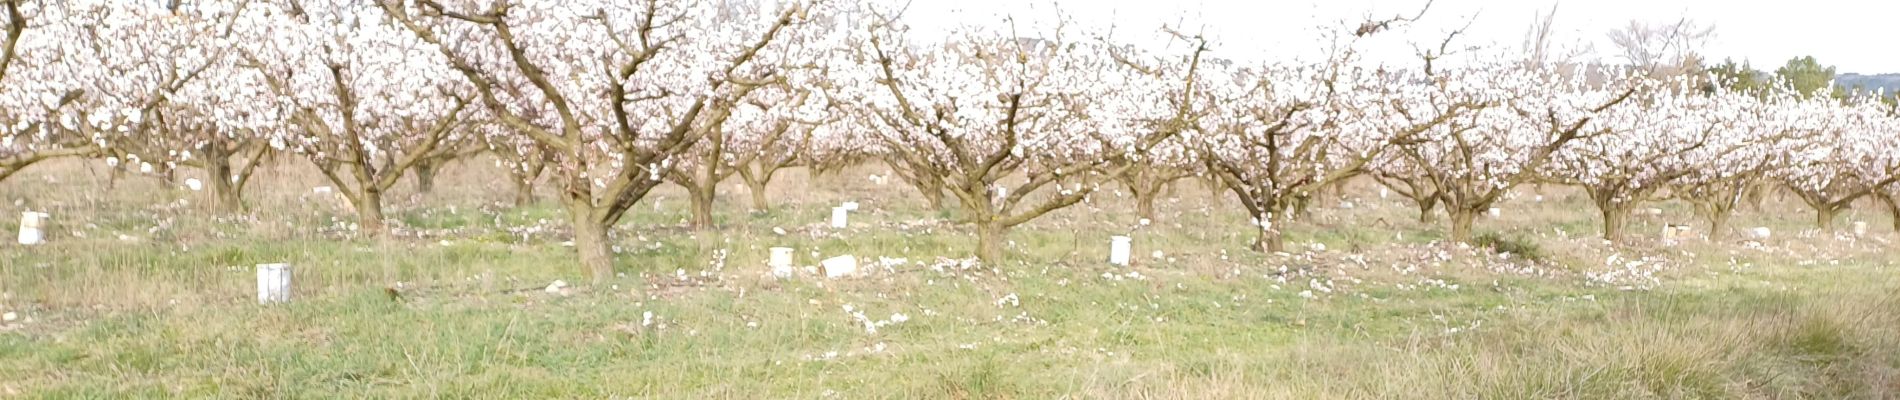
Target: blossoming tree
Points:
(614, 90)
(1013, 127)
(1477, 160)
(364, 101)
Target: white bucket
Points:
(33, 227)
(273, 283)
(1119, 249)
(840, 266)
(781, 262)
(838, 217)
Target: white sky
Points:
(1854, 35)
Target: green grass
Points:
(172, 314)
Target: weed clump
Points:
(1515, 246)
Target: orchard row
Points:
(1004, 123)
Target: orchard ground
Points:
(143, 291)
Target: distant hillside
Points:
(1876, 82)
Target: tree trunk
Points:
(1718, 224)
(933, 193)
(1145, 204)
(116, 173)
(1303, 206)
(759, 202)
(1425, 207)
(757, 183)
(989, 242)
(218, 171)
(1216, 190)
(1755, 193)
(524, 192)
(590, 240)
(1824, 216)
(1615, 218)
(702, 199)
(1272, 237)
(425, 177)
(369, 211)
(1461, 222)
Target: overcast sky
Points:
(1854, 35)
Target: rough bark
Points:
(1613, 201)
(524, 192)
(758, 179)
(1272, 238)
(989, 242)
(1824, 217)
(218, 170)
(369, 212)
(1145, 205)
(425, 176)
(702, 198)
(230, 198)
(1462, 220)
(1615, 218)
(1425, 208)
(592, 243)
(760, 203)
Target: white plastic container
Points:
(839, 216)
(33, 227)
(273, 283)
(840, 266)
(1119, 248)
(781, 262)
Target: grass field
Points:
(143, 291)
